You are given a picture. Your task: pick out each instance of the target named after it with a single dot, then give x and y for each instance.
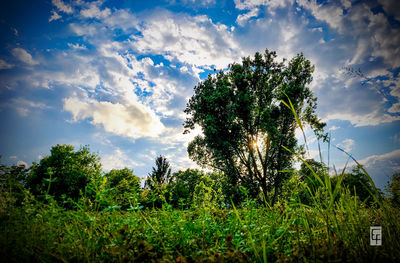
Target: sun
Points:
(257, 143)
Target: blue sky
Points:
(116, 75)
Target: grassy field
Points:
(332, 229)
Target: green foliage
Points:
(182, 187)
(123, 187)
(64, 172)
(359, 185)
(245, 120)
(289, 232)
(394, 189)
(12, 189)
(207, 194)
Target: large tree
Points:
(64, 171)
(245, 119)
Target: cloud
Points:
(54, 16)
(61, 6)
(391, 7)
(131, 120)
(330, 13)
(347, 145)
(381, 167)
(77, 46)
(93, 11)
(15, 31)
(250, 4)
(242, 19)
(24, 106)
(117, 160)
(202, 3)
(5, 65)
(333, 128)
(192, 40)
(396, 138)
(23, 164)
(22, 55)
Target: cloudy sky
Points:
(116, 75)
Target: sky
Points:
(116, 75)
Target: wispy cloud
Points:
(23, 55)
(5, 65)
(61, 6)
(54, 16)
(347, 145)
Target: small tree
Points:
(206, 194)
(182, 186)
(358, 184)
(123, 186)
(12, 189)
(64, 172)
(160, 175)
(157, 181)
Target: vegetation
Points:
(245, 119)
(66, 209)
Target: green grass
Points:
(289, 232)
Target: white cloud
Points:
(77, 46)
(330, 13)
(54, 16)
(392, 157)
(131, 120)
(242, 19)
(381, 167)
(93, 11)
(250, 4)
(117, 160)
(5, 65)
(22, 163)
(333, 128)
(193, 40)
(347, 145)
(61, 6)
(24, 106)
(22, 55)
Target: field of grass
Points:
(332, 229)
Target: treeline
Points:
(75, 177)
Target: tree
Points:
(12, 180)
(125, 186)
(157, 182)
(160, 174)
(182, 186)
(64, 172)
(245, 121)
(206, 193)
(359, 184)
